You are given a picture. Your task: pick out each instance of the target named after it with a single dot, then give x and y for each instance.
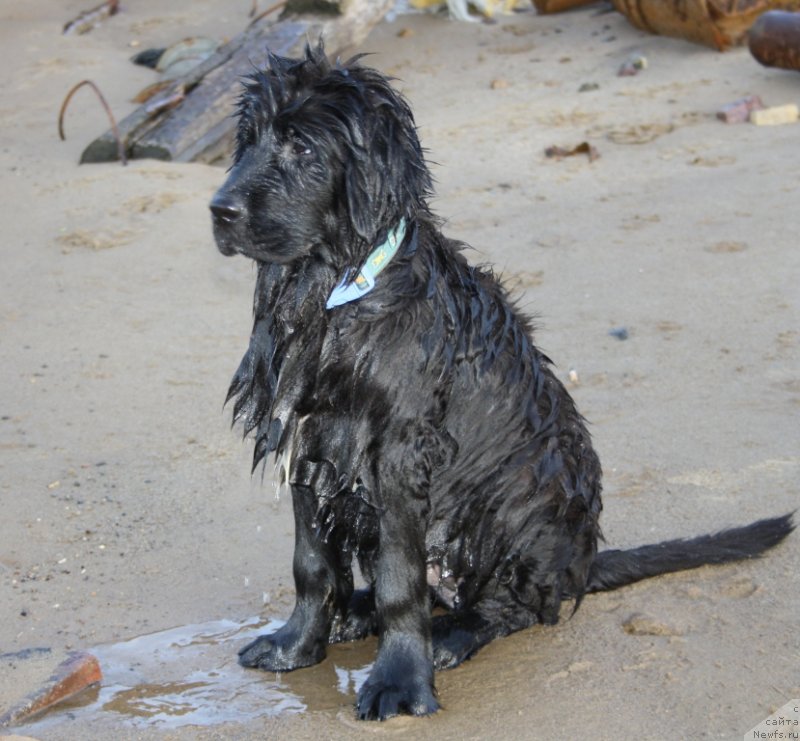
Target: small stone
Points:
(739, 110)
(587, 87)
(499, 84)
(621, 333)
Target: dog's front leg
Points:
(323, 585)
(401, 680)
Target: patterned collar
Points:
(364, 282)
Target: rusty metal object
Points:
(774, 40)
(719, 24)
(120, 149)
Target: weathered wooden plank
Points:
(200, 127)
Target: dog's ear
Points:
(386, 177)
(363, 202)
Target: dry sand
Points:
(127, 507)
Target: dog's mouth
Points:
(224, 244)
(226, 249)
(232, 244)
(228, 214)
(234, 234)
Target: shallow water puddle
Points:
(190, 676)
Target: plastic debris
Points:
(633, 65)
(459, 9)
(780, 114)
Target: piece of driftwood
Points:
(200, 126)
(90, 19)
(716, 23)
(72, 676)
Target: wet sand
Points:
(128, 509)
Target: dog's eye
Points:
(297, 146)
(300, 148)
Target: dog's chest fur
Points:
(335, 394)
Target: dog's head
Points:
(327, 162)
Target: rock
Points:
(739, 110)
(621, 333)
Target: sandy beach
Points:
(127, 505)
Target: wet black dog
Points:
(419, 428)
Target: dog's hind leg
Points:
(360, 620)
(459, 635)
(324, 585)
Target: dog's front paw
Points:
(384, 696)
(278, 653)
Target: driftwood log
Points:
(193, 122)
(719, 24)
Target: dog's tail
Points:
(613, 569)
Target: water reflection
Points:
(189, 676)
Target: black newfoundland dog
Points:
(420, 429)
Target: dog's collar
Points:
(364, 282)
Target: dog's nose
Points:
(226, 207)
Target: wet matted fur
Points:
(421, 431)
